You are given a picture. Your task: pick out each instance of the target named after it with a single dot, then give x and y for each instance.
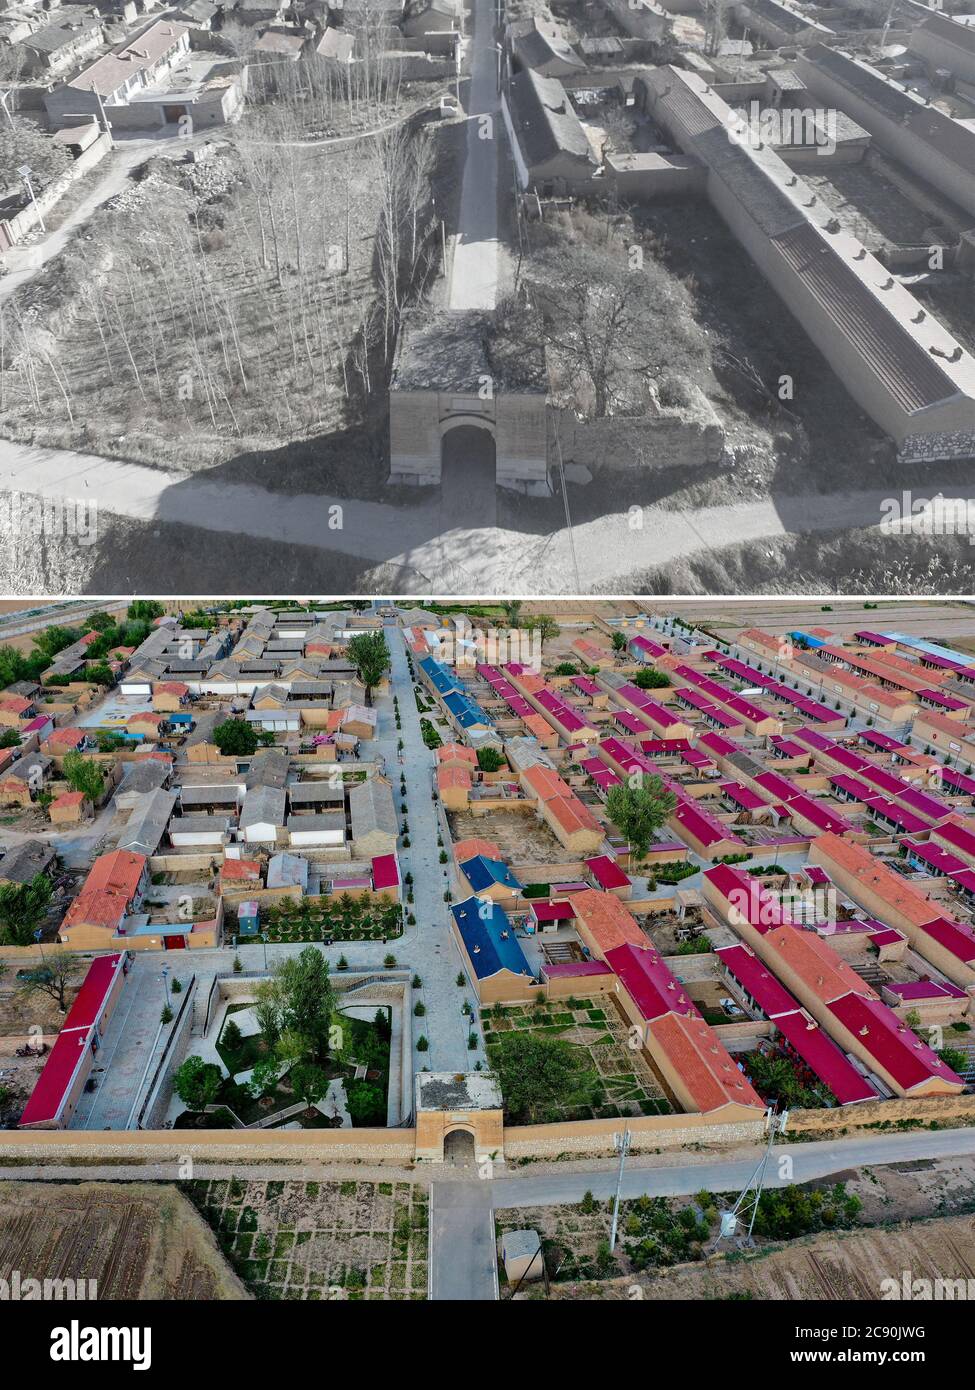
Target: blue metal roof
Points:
(465, 709)
(439, 676)
(810, 641)
(930, 648)
(489, 939)
(481, 872)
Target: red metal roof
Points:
(822, 1056)
(385, 871)
(49, 1094)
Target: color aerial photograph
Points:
(539, 951)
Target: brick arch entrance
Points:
(468, 473)
(458, 1147)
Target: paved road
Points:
(462, 1251)
(464, 560)
(474, 267)
(463, 1257)
(432, 951)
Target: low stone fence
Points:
(922, 1110)
(24, 222)
(682, 437)
(175, 1147)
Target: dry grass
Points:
(135, 1241)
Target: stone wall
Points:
(943, 1110)
(648, 1132)
(691, 437)
(215, 1146)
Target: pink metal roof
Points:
(607, 872)
(895, 1047)
(649, 983)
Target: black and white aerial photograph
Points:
(467, 296)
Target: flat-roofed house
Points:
(900, 364)
(946, 43)
(936, 147)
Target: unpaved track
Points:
(467, 561)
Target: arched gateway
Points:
(449, 397)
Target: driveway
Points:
(24, 261)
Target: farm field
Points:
(134, 1240)
(321, 1241)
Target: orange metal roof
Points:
(607, 921)
(904, 897)
(470, 849)
(447, 752)
(117, 872)
(545, 783)
(823, 972)
(571, 814)
(702, 1062)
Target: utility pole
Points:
(106, 123)
(25, 171)
(751, 1193)
(622, 1143)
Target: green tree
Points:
(370, 656)
(236, 738)
(307, 999)
(649, 679)
(264, 1077)
(23, 907)
(619, 641)
(99, 673)
(490, 760)
(512, 611)
(308, 1082)
(146, 610)
(84, 775)
(197, 1083)
(9, 739)
(545, 626)
(538, 1074)
(639, 809)
(52, 979)
(54, 639)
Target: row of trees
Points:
(266, 307)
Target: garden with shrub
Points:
(333, 919)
